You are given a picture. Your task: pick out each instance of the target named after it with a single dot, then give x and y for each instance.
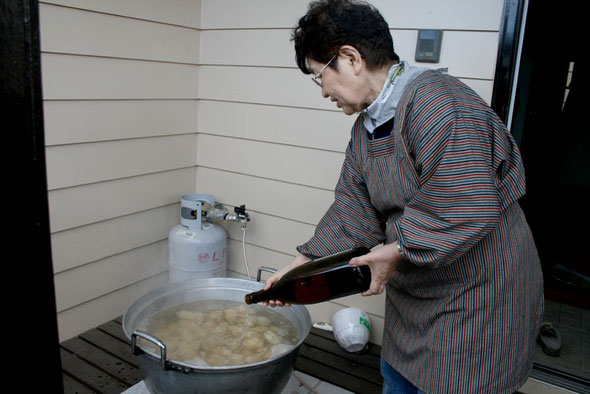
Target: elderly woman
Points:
(432, 174)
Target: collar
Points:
(383, 108)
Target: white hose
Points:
(244, 250)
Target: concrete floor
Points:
(573, 325)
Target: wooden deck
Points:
(100, 361)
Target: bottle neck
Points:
(257, 296)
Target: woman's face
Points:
(342, 85)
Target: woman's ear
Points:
(352, 57)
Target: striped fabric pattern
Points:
(464, 314)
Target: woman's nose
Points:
(324, 93)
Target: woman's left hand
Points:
(382, 262)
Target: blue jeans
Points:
(394, 383)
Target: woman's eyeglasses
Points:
(318, 77)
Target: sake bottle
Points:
(319, 280)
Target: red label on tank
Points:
(203, 258)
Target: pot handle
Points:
(267, 269)
(135, 350)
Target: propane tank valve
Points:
(219, 212)
(240, 215)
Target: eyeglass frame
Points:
(319, 74)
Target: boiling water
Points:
(220, 333)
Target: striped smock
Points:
(462, 313)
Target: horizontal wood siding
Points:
(83, 121)
(120, 87)
(268, 139)
(263, 14)
(270, 48)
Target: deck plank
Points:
(328, 344)
(343, 365)
(71, 385)
(115, 329)
(94, 378)
(336, 377)
(110, 344)
(108, 363)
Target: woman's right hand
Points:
(296, 262)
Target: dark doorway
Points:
(547, 122)
(555, 144)
(31, 343)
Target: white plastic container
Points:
(196, 249)
(351, 327)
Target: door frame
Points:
(508, 58)
(33, 344)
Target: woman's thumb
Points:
(361, 260)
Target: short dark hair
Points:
(329, 24)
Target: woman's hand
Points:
(382, 262)
(296, 262)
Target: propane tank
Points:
(196, 249)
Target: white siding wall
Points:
(146, 100)
(120, 85)
(268, 139)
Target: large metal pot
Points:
(168, 376)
